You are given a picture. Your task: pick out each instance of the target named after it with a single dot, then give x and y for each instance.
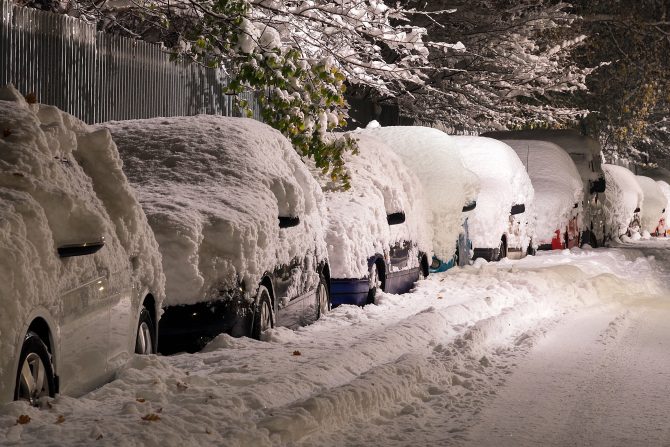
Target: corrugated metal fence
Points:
(99, 77)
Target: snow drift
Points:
(622, 197)
(213, 188)
(504, 183)
(447, 185)
(61, 184)
(357, 226)
(557, 184)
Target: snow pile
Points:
(504, 183)
(357, 225)
(61, 184)
(623, 196)
(213, 188)
(447, 185)
(415, 366)
(557, 184)
(654, 204)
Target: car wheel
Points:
(145, 342)
(35, 376)
(375, 283)
(323, 304)
(263, 318)
(502, 250)
(457, 257)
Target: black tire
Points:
(502, 250)
(35, 362)
(145, 341)
(531, 251)
(263, 315)
(323, 304)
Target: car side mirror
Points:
(288, 221)
(517, 209)
(598, 185)
(86, 248)
(469, 206)
(395, 218)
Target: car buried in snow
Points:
(500, 226)
(376, 233)
(450, 189)
(559, 193)
(652, 214)
(82, 282)
(586, 154)
(238, 219)
(623, 201)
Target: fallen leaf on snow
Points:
(23, 419)
(296, 353)
(152, 417)
(60, 419)
(141, 400)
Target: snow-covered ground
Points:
(492, 354)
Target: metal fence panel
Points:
(99, 77)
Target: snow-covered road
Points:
(565, 348)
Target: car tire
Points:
(323, 304)
(145, 341)
(35, 375)
(263, 317)
(502, 250)
(375, 281)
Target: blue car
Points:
(376, 232)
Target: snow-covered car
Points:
(450, 189)
(238, 219)
(377, 235)
(652, 213)
(663, 230)
(559, 193)
(81, 282)
(586, 154)
(623, 201)
(500, 225)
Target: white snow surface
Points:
(503, 182)
(415, 369)
(556, 182)
(622, 196)
(357, 227)
(653, 205)
(61, 183)
(433, 157)
(213, 188)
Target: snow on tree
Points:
(298, 53)
(510, 64)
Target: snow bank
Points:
(434, 159)
(504, 182)
(654, 204)
(213, 188)
(623, 196)
(61, 184)
(557, 184)
(357, 225)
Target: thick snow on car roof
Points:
(432, 156)
(213, 188)
(504, 182)
(653, 205)
(357, 226)
(557, 184)
(584, 150)
(61, 183)
(622, 196)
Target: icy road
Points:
(564, 348)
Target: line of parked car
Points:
(211, 224)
